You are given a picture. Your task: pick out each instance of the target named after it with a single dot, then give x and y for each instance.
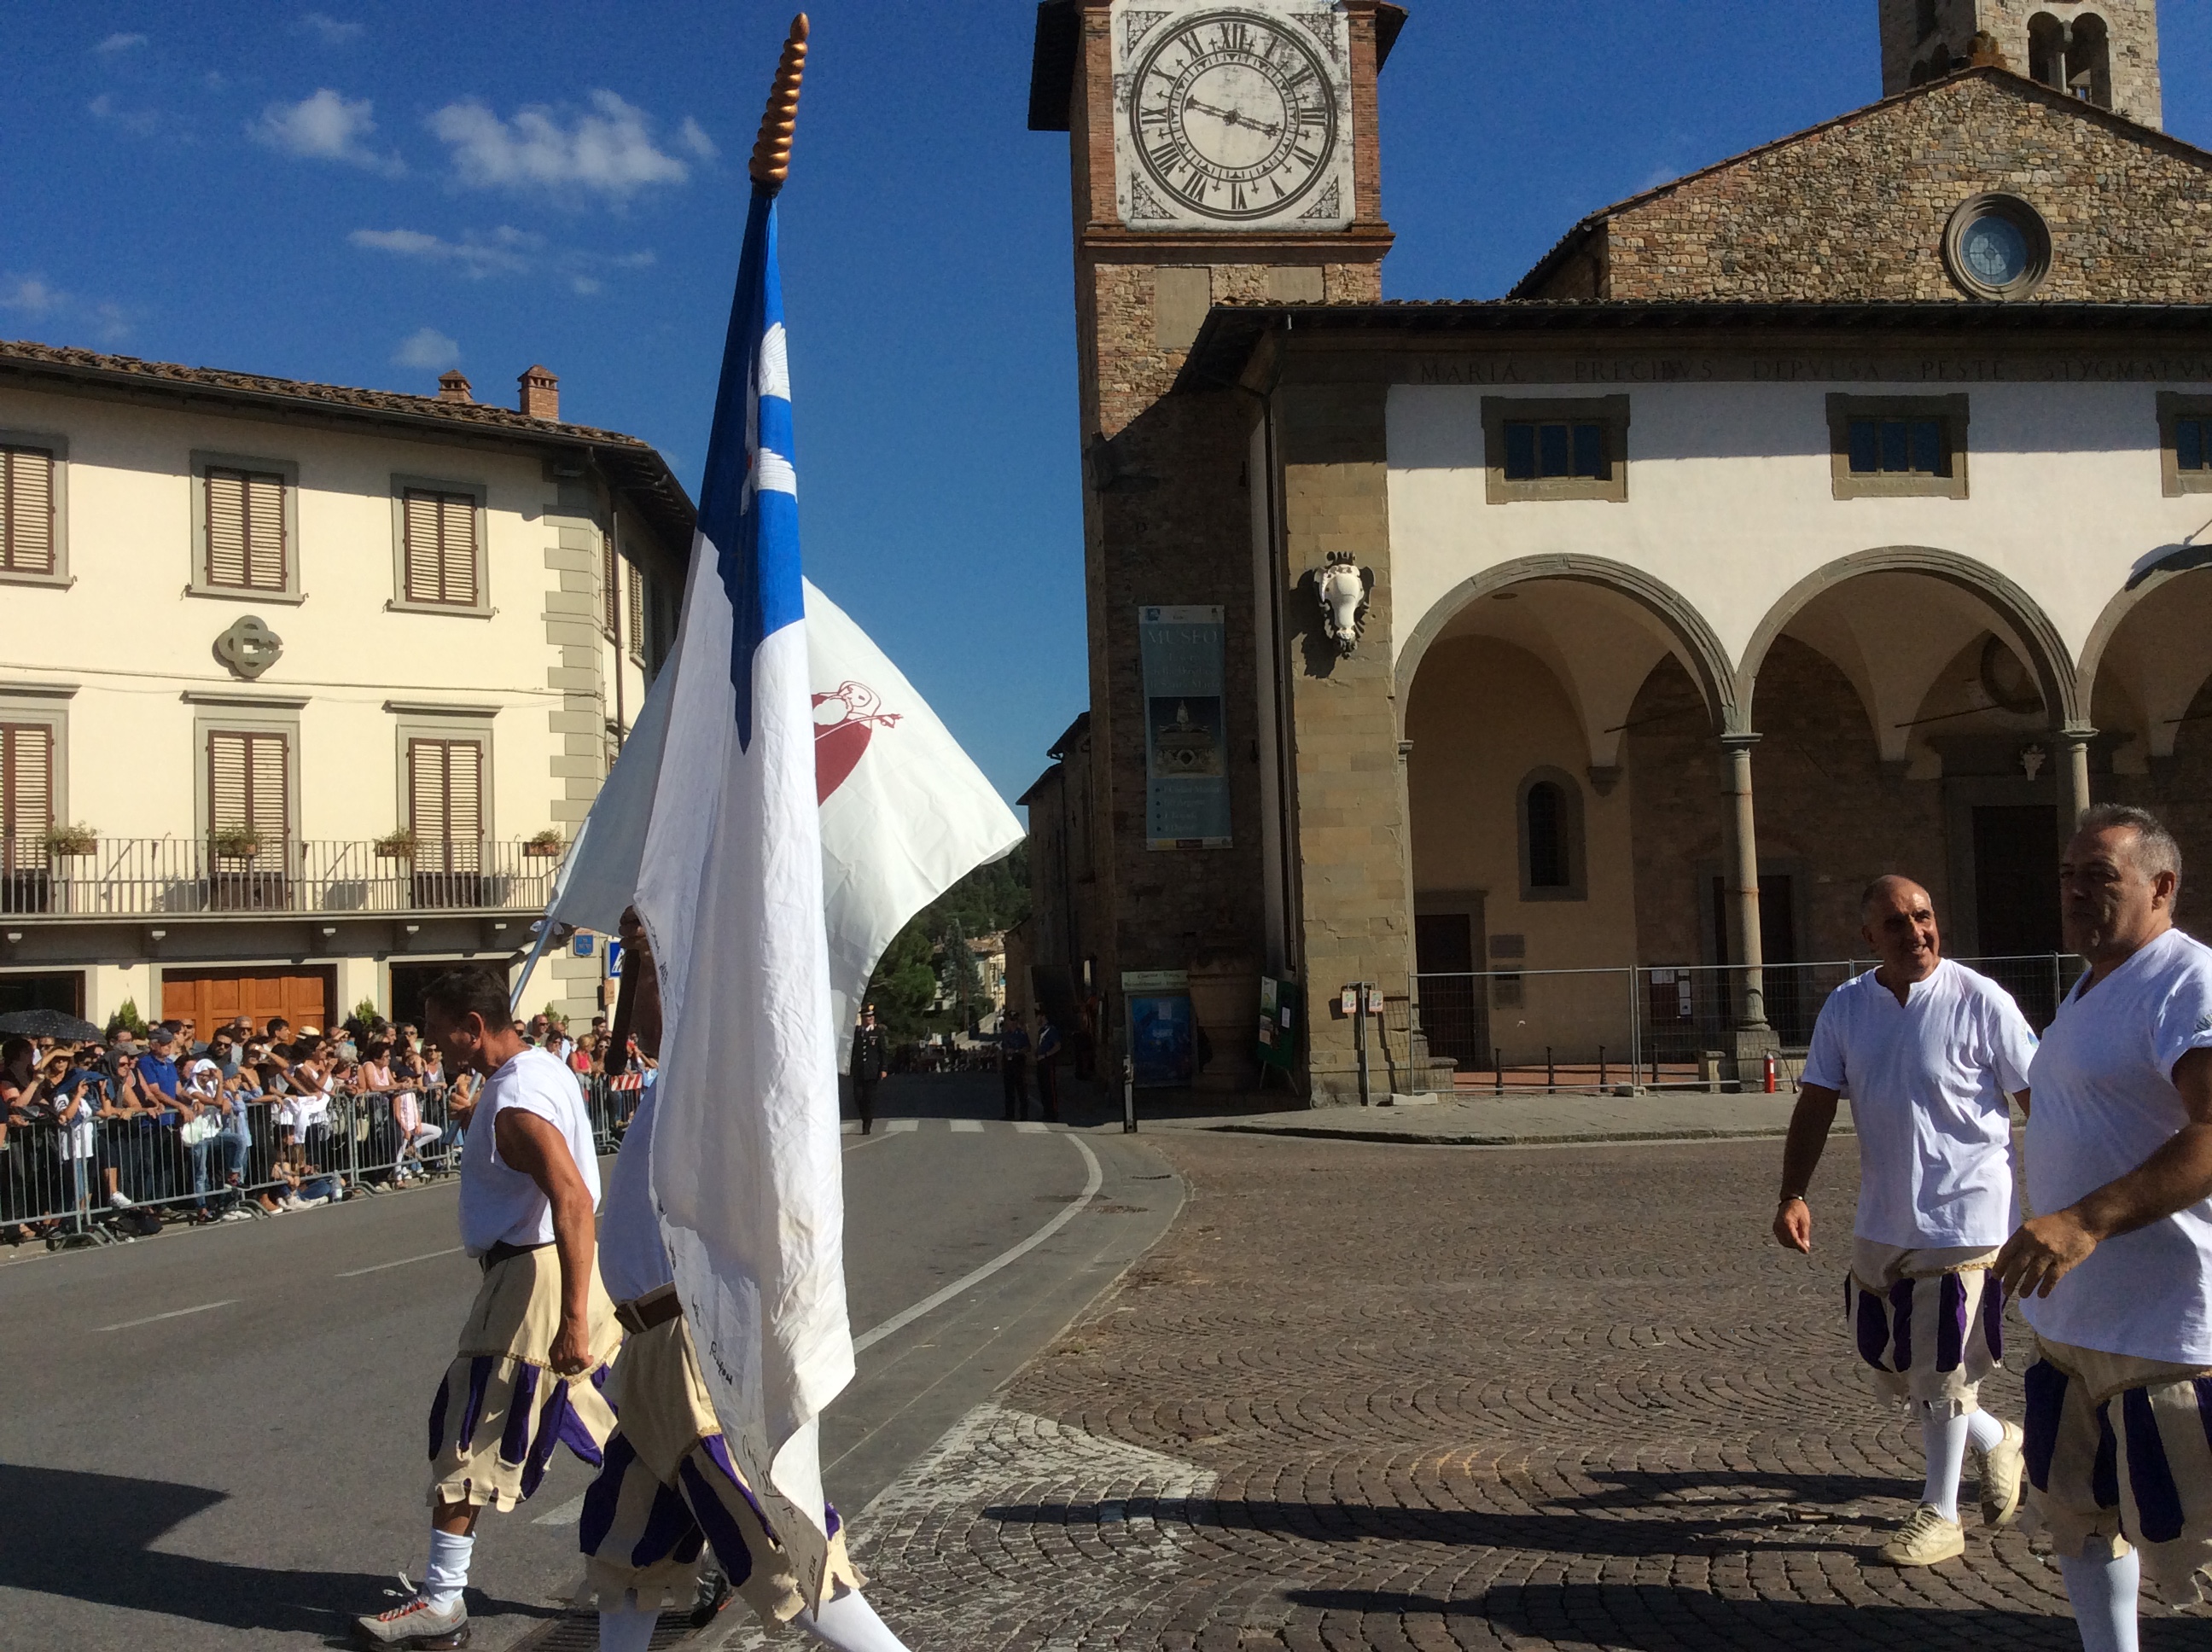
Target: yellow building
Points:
(303, 688)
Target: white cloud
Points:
(38, 299)
(327, 126)
(693, 137)
(426, 347)
(608, 151)
(115, 43)
(328, 29)
(143, 123)
(505, 251)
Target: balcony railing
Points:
(168, 876)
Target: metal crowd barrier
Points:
(1653, 1027)
(56, 1178)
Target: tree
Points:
(986, 901)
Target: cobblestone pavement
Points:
(1412, 1398)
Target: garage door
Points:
(303, 997)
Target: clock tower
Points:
(1221, 151)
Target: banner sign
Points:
(1161, 1044)
(1186, 759)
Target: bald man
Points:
(1927, 1051)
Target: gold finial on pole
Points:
(771, 162)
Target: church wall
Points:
(1481, 716)
(1856, 211)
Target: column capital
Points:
(1738, 740)
(2074, 733)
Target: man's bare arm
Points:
(534, 1147)
(1809, 1124)
(2179, 1174)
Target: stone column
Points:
(2073, 744)
(1743, 884)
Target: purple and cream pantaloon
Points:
(1928, 1323)
(500, 1410)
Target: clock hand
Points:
(1232, 118)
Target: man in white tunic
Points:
(535, 1349)
(1928, 1051)
(2115, 1271)
(668, 1486)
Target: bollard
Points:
(1770, 1073)
(1551, 1070)
(1497, 1060)
(1602, 1082)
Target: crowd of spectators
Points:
(124, 1131)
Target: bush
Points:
(365, 1011)
(126, 1018)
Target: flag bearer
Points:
(535, 1348)
(1927, 1051)
(669, 1484)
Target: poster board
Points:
(1186, 741)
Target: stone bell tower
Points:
(1219, 150)
(2104, 51)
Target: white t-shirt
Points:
(501, 1205)
(633, 1261)
(2105, 1101)
(1928, 1081)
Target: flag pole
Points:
(771, 161)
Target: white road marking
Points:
(901, 1127)
(899, 1321)
(966, 1126)
(427, 1256)
(1029, 1127)
(566, 1514)
(569, 1512)
(175, 1314)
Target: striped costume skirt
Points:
(1929, 1324)
(2109, 1466)
(669, 1487)
(501, 1411)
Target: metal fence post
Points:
(352, 1145)
(1635, 1033)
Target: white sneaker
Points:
(1924, 1539)
(416, 1624)
(116, 1201)
(2002, 1466)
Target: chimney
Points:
(453, 386)
(541, 395)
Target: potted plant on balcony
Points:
(397, 846)
(545, 845)
(236, 842)
(79, 839)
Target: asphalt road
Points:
(214, 1439)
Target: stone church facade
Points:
(1828, 512)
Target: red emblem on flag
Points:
(845, 720)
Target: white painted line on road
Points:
(176, 1313)
(901, 1127)
(966, 1126)
(1029, 1127)
(404, 1261)
(567, 1514)
(899, 1321)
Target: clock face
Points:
(1232, 115)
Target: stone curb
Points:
(1484, 1138)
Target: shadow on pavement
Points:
(1670, 1618)
(87, 1537)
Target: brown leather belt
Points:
(504, 1251)
(654, 1308)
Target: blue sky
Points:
(367, 195)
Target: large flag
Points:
(906, 813)
(745, 1166)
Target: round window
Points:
(1997, 246)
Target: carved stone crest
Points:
(249, 648)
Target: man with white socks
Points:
(668, 1486)
(535, 1348)
(1927, 1051)
(2116, 1272)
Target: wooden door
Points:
(304, 996)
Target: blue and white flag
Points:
(745, 1163)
